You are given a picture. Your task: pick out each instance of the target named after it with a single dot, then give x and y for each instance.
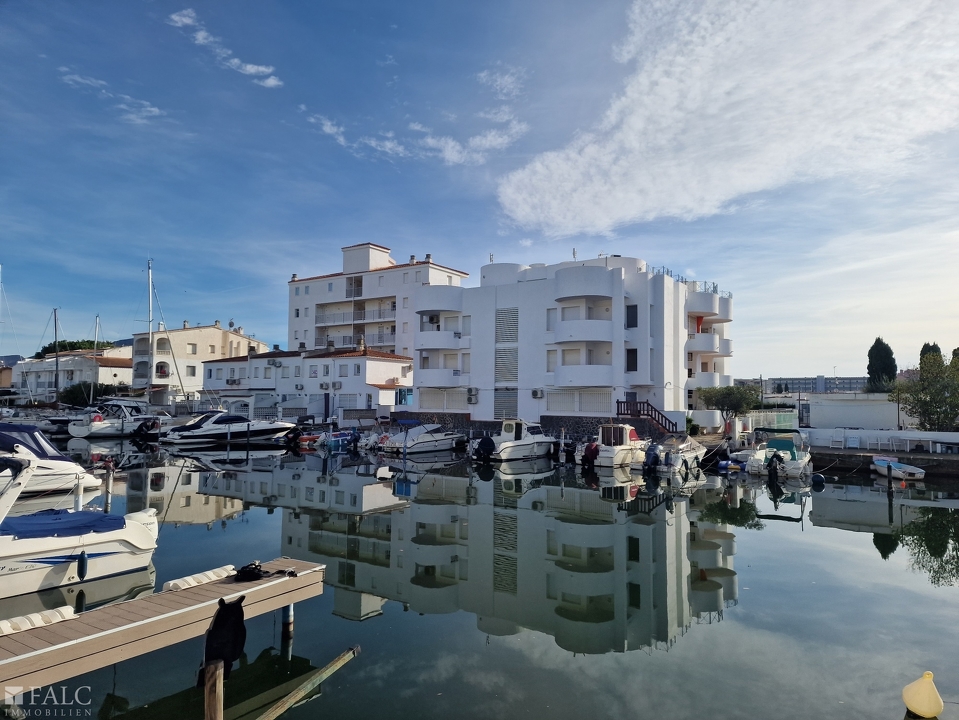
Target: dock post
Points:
(286, 633)
(108, 494)
(213, 691)
(78, 496)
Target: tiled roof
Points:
(243, 358)
(366, 352)
(114, 362)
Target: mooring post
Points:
(108, 495)
(213, 690)
(286, 633)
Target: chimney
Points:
(429, 257)
(412, 259)
(302, 346)
(276, 348)
(240, 329)
(186, 324)
(216, 323)
(250, 351)
(293, 279)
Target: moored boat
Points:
(790, 447)
(422, 439)
(52, 471)
(884, 465)
(116, 418)
(516, 440)
(221, 427)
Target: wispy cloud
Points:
(387, 145)
(729, 98)
(506, 82)
(476, 149)
(188, 21)
(389, 60)
(132, 110)
(328, 127)
(504, 113)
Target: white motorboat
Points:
(675, 452)
(883, 464)
(116, 418)
(220, 427)
(52, 471)
(789, 445)
(55, 548)
(619, 446)
(421, 439)
(516, 440)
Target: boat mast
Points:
(96, 368)
(56, 361)
(150, 325)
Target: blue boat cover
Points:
(60, 523)
(31, 438)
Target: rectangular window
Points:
(450, 361)
(326, 371)
(506, 366)
(306, 290)
(353, 500)
(507, 325)
(634, 595)
(632, 316)
(571, 356)
(209, 373)
(632, 360)
(296, 334)
(356, 368)
(466, 363)
(267, 373)
(191, 348)
(632, 549)
(344, 370)
(406, 302)
(550, 360)
(232, 372)
(451, 323)
(212, 349)
(406, 278)
(651, 309)
(256, 372)
(296, 290)
(406, 327)
(242, 372)
(285, 371)
(219, 373)
(571, 313)
(418, 276)
(296, 371)
(550, 319)
(329, 287)
(467, 325)
(314, 371)
(306, 312)
(191, 370)
(354, 287)
(380, 281)
(339, 497)
(296, 313)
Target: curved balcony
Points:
(584, 281)
(708, 379)
(582, 376)
(586, 635)
(726, 540)
(725, 310)
(433, 595)
(706, 343)
(728, 579)
(436, 552)
(436, 377)
(725, 348)
(437, 340)
(706, 596)
(706, 553)
(438, 298)
(708, 418)
(702, 304)
(584, 580)
(571, 530)
(434, 512)
(583, 331)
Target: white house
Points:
(370, 298)
(177, 357)
(35, 379)
(349, 384)
(569, 340)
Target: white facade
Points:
(571, 339)
(35, 379)
(178, 357)
(345, 384)
(370, 298)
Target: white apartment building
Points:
(178, 356)
(35, 379)
(371, 298)
(570, 340)
(348, 384)
(557, 560)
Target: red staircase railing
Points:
(646, 410)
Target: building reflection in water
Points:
(527, 548)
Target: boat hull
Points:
(520, 450)
(423, 445)
(236, 436)
(900, 471)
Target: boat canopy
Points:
(415, 432)
(30, 437)
(60, 523)
(196, 424)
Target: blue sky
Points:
(801, 155)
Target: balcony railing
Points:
(342, 341)
(352, 316)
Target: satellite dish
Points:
(230, 323)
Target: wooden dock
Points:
(98, 638)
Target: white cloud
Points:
(526, 242)
(730, 98)
(76, 80)
(506, 83)
(328, 127)
(499, 115)
(224, 56)
(134, 111)
(388, 61)
(418, 127)
(476, 149)
(387, 146)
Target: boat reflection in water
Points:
(84, 595)
(519, 547)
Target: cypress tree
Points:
(882, 368)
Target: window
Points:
(634, 595)
(219, 373)
(451, 323)
(380, 281)
(191, 370)
(267, 373)
(285, 371)
(209, 373)
(632, 549)
(256, 372)
(353, 500)
(191, 348)
(651, 309)
(242, 372)
(449, 279)
(550, 319)
(296, 313)
(232, 372)
(356, 368)
(212, 349)
(306, 289)
(329, 287)
(306, 312)
(418, 276)
(689, 357)
(406, 327)
(632, 316)
(296, 333)
(296, 290)
(314, 371)
(406, 302)
(632, 360)
(354, 287)
(571, 313)
(326, 371)
(344, 370)
(296, 371)
(406, 278)
(339, 497)
(466, 363)
(450, 361)
(571, 356)
(550, 360)
(467, 325)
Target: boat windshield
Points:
(534, 429)
(31, 438)
(230, 419)
(196, 424)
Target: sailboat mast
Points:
(56, 359)
(150, 325)
(96, 367)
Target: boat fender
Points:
(97, 418)
(81, 603)
(82, 565)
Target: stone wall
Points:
(577, 426)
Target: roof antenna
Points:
(574, 253)
(491, 257)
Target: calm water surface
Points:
(526, 594)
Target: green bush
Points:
(693, 429)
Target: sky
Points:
(802, 155)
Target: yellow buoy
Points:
(922, 698)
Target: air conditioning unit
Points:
(471, 399)
(538, 392)
(457, 335)
(278, 363)
(324, 386)
(433, 320)
(472, 391)
(538, 505)
(299, 386)
(270, 361)
(337, 385)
